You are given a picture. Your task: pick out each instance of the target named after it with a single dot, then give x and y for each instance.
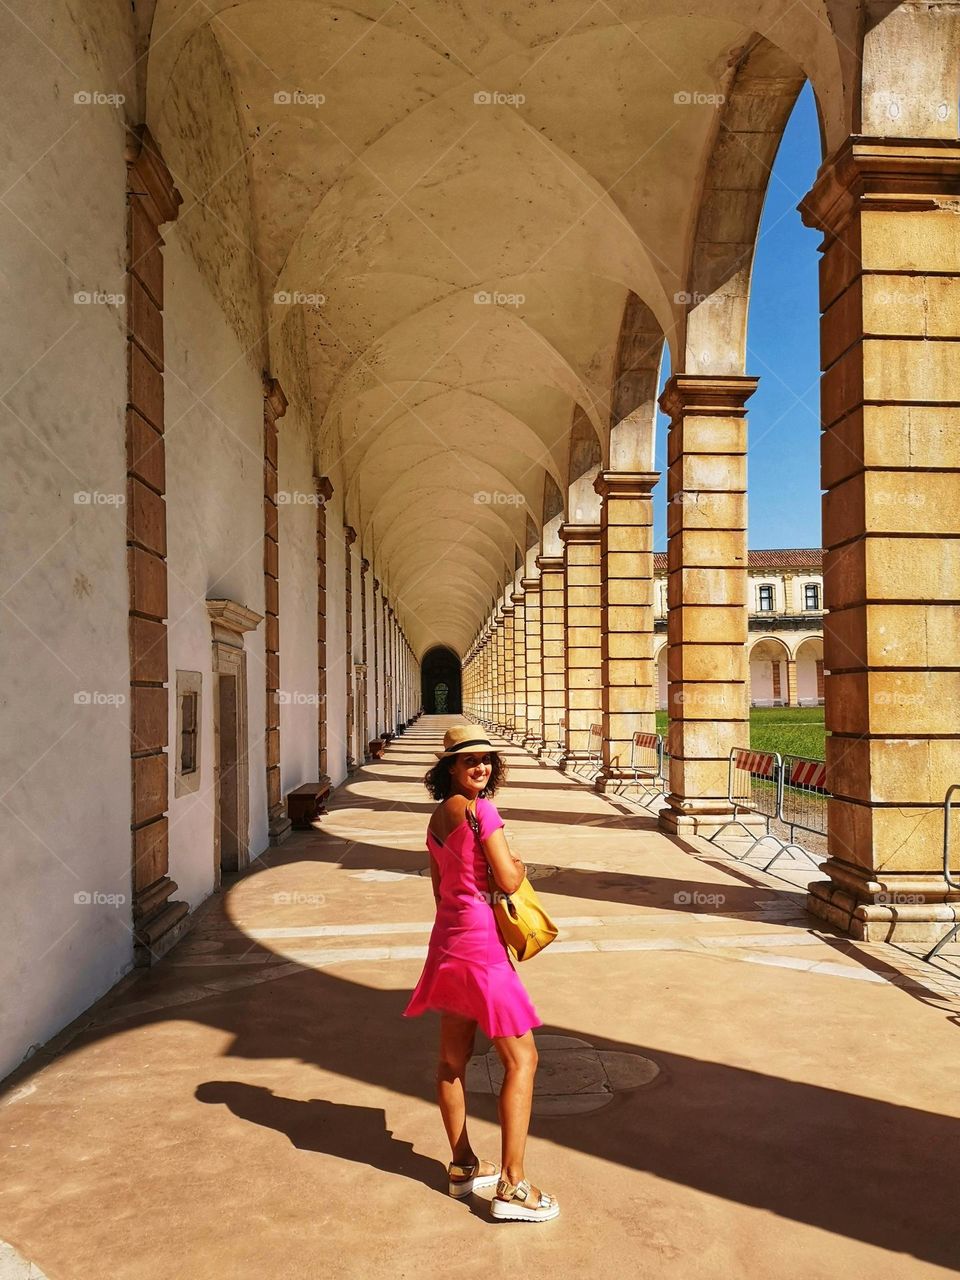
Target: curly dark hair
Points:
(438, 783)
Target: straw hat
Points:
(461, 738)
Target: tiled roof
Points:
(779, 558)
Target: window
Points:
(766, 598)
(188, 732)
(187, 753)
(811, 596)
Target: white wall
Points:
(214, 451)
(298, 600)
(336, 638)
(64, 765)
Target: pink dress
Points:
(468, 969)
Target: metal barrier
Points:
(755, 784)
(647, 754)
(595, 747)
(803, 795)
(947, 874)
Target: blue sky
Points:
(783, 458)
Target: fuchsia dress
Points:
(468, 970)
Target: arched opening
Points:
(768, 673)
(809, 660)
(440, 684)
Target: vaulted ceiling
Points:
(462, 203)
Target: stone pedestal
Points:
(581, 609)
(626, 618)
(707, 668)
(890, 302)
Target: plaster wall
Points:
(214, 451)
(65, 877)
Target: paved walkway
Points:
(723, 1091)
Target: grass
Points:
(796, 731)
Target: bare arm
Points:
(508, 870)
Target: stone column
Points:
(890, 298)
(152, 200)
(519, 665)
(377, 668)
(362, 712)
(532, 660)
(793, 699)
(509, 651)
(324, 490)
(274, 407)
(707, 666)
(500, 677)
(349, 538)
(581, 609)
(628, 673)
(553, 648)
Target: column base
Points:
(610, 778)
(705, 818)
(572, 759)
(158, 923)
(902, 908)
(279, 828)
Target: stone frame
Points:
(185, 784)
(230, 621)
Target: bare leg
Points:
(519, 1057)
(457, 1040)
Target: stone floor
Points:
(723, 1090)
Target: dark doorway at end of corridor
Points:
(440, 681)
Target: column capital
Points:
(530, 584)
(275, 401)
(626, 484)
(364, 565)
(579, 533)
(517, 597)
(881, 173)
(324, 487)
(148, 178)
(349, 534)
(507, 610)
(707, 395)
(554, 563)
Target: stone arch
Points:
(583, 468)
(762, 94)
(633, 397)
(808, 656)
(767, 657)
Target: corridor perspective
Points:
(721, 1090)
(372, 369)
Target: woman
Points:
(468, 976)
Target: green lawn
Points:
(794, 731)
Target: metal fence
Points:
(952, 881)
(755, 785)
(647, 756)
(803, 795)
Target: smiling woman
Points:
(468, 977)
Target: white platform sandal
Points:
(508, 1203)
(470, 1180)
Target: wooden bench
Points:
(307, 802)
